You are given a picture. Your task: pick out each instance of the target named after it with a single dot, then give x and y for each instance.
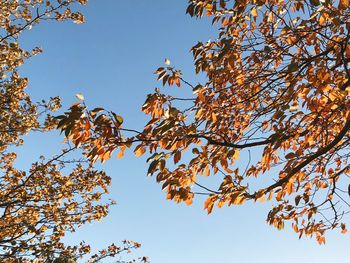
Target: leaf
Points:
(295, 106)
(96, 110)
(177, 157)
(118, 118)
(239, 200)
(289, 187)
(139, 150)
(121, 152)
(290, 155)
(292, 67)
(195, 151)
(152, 167)
(254, 12)
(297, 200)
(177, 82)
(273, 89)
(347, 51)
(270, 18)
(315, 2)
(209, 204)
(323, 19)
(343, 228)
(280, 225)
(343, 4)
(262, 198)
(161, 164)
(213, 117)
(80, 96)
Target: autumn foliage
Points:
(57, 194)
(271, 121)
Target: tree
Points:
(276, 93)
(57, 195)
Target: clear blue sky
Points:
(110, 59)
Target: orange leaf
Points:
(121, 153)
(209, 204)
(239, 200)
(343, 4)
(289, 187)
(347, 52)
(139, 150)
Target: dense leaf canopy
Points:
(58, 194)
(271, 120)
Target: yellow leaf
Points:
(322, 19)
(79, 96)
(189, 201)
(270, 18)
(213, 117)
(167, 61)
(199, 113)
(333, 95)
(262, 198)
(209, 7)
(235, 155)
(254, 12)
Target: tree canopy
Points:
(57, 194)
(271, 119)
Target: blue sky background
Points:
(111, 60)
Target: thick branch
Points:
(308, 160)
